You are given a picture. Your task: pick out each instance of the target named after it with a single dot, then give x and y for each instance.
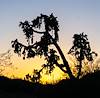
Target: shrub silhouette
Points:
(81, 49)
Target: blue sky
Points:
(74, 16)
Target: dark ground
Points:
(88, 86)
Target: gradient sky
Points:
(74, 16)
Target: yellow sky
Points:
(22, 67)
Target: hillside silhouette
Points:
(87, 86)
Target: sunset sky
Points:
(74, 16)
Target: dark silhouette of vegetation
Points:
(47, 27)
(87, 86)
(49, 36)
(81, 50)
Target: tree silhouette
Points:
(47, 27)
(81, 49)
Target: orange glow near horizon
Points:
(22, 67)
